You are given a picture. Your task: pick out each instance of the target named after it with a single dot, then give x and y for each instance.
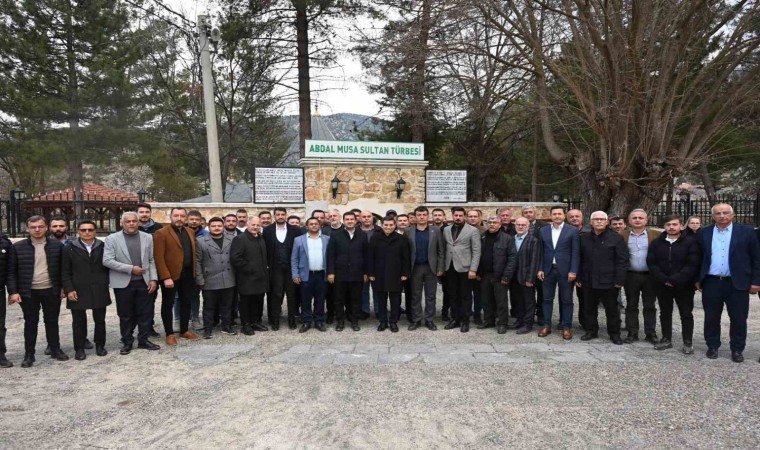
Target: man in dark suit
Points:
(426, 244)
(561, 261)
(730, 272)
(248, 256)
(388, 266)
(279, 237)
(604, 262)
(534, 225)
(347, 271)
(522, 291)
(498, 260)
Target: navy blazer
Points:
(567, 253)
(743, 255)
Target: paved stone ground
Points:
(365, 389)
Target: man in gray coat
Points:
(461, 266)
(427, 255)
(214, 274)
(133, 276)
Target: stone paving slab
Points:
(354, 358)
(316, 359)
(413, 348)
(332, 348)
(464, 348)
(570, 347)
(371, 348)
(448, 358)
(396, 358)
(569, 357)
(500, 358)
(209, 355)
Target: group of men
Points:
(492, 270)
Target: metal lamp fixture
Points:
(18, 194)
(400, 185)
(141, 196)
(556, 197)
(334, 183)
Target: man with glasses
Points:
(34, 281)
(498, 259)
(523, 290)
(638, 284)
(85, 283)
(604, 262)
(730, 272)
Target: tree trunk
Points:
(419, 128)
(708, 182)
(304, 87)
(534, 177)
(75, 159)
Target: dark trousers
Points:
(683, 296)
(281, 285)
(477, 307)
(716, 293)
(460, 289)
(495, 299)
(581, 306)
(367, 305)
(134, 306)
(314, 290)
(50, 303)
(538, 286)
(446, 304)
(639, 285)
(348, 300)
(329, 300)
(251, 308)
(79, 326)
(217, 299)
(607, 297)
(408, 297)
(183, 289)
(553, 280)
(3, 308)
(153, 298)
(395, 298)
(423, 278)
(195, 304)
(524, 300)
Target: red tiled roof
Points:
(91, 192)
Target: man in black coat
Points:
(5, 250)
(388, 267)
(279, 237)
(523, 288)
(673, 260)
(85, 283)
(604, 263)
(248, 256)
(347, 270)
(34, 280)
(498, 260)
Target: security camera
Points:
(216, 35)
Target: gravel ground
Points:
(420, 389)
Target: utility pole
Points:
(206, 35)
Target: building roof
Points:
(91, 192)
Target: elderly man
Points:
(248, 256)
(34, 281)
(133, 277)
(505, 216)
(730, 272)
(604, 261)
(529, 212)
(522, 289)
(638, 283)
(214, 274)
(498, 260)
(334, 223)
(461, 266)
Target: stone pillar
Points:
(364, 184)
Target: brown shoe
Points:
(171, 340)
(545, 331)
(567, 334)
(190, 336)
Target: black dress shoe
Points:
(651, 338)
(737, 357)
(664, 344)
(4, 363)
(485, 325)
(340, 325)
(465, 326)
(382, 327)
(431, 326)
(304, 328)
(100, 350)
(502, 329)
(451, 325)
(153, 333)
(292, 323)
(524, 330)
(631, 338)
(275, 325)
(87, 344)
(80, 355)
(329, 320)
(393, 327)
(445, 317)
(207, 333)
(148, 345)
(125, 349)
(414, 325)
(258, 326)
(247, 330)
(321, 327)
(48, 352)
(477, 320)
(712, 353)
(28, 360)
(589, 335)
(229, 330)
(616, 340)
(355, 326)
(58, 354)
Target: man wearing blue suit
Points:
(307, 264)
(560, 244)
(730, 272)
